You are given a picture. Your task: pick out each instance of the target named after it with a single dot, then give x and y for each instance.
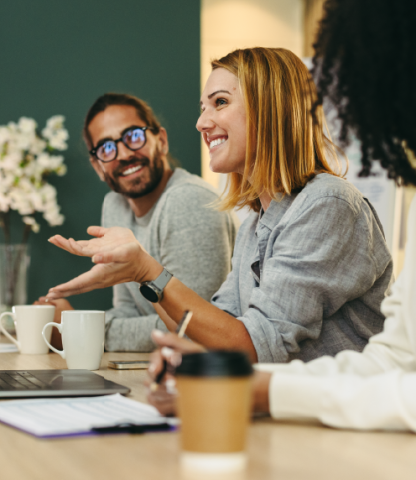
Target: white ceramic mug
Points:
(82, 338)
(29, 321)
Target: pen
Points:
(180, 330)
(133, 428)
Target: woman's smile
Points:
(213, 143)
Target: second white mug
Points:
(82, 338)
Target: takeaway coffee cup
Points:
(82, 338)
(214, 407)
(29, 321)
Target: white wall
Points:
(230, 24)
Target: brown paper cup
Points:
(214, 406)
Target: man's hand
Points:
(60, 305)
(118, 256)
(172, 348)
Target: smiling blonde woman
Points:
(310, 265)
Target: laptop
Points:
(55, 383)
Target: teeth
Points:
(131, 170)
(216, 142)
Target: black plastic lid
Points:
(218, 363)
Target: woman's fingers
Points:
(172, 348)
(164, 398)
(156, 364)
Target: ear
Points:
(98, 168)
(163, 141)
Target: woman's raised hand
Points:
(118, 256)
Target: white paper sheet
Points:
(75, 416)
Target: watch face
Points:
(149, 294)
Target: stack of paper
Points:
(47, 418)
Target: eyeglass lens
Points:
(133, 139)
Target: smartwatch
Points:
(153, 291)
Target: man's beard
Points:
(138, 188)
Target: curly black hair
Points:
(365, 64)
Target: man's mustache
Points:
(127, 163)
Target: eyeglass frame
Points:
(93, 152)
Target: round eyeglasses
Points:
(134, 139)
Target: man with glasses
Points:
(169, 211)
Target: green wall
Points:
(57, 57)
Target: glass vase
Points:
(14, 265)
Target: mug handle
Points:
(59, 327)
(5, 332)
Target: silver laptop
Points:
(55, 383)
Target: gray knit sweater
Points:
(183, 233)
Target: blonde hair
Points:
(286, 145)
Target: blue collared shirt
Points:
(309, 274)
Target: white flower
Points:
(4, 135)
(23, 139)
(61, 170)
(27, 125)
(53, 217)
(56, 122)
(25, 185)
(43, 160)
(12, 128)
(36, 199)
(48, 192)
(4, 203)
(56, 161)
(7, 181)
(32, 222)
(25, 161)
(38, 146)
(11, 161)
(20, 202)
(55, 132)
(58, 140)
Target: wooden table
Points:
(277, 450)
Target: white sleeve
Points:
(381, 402)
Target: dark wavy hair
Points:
(365, 64)
(107, 100)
